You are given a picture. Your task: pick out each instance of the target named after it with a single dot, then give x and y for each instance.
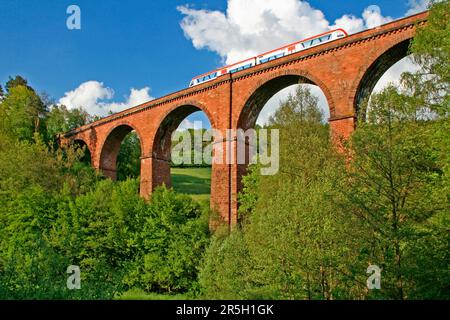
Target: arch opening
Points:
(179, 151)
(266, 98)
(121, 152)
(129, 157)
(376, 75)
(273, 105)
(268, 102)
(86, 158)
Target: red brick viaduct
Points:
(346, 70)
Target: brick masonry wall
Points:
(346, 70)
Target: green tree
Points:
(129, 158)
(311, 231)
(17, 81)
(302, 106)
(173, 235)
(197, 147)
(22, 111)
(398, 180)
(292, 242)
(31, 175)
(398, 189)
(430, 46)
(60, 119)
(431, 50)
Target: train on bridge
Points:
(271, 55)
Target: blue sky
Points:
(129, 44)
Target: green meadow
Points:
(193, 181)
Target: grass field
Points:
(195, 182)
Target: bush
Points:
(171, 241)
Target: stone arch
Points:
(170, 121)
(368, 78)
(264, 89)
(111, 147)
(161, 147)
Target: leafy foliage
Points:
(60, 119)
(56, 211)
(129, 158)
(21, 111)
(173, 236)
(311, 231)
(302, 106)
(293, 243)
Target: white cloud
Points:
(349, 23)
(90, 95)
(417, 6)
(188, 124)
(371, 18)
(250, 27)
(87, 95)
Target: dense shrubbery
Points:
(56, 211)
(172, 237)
(311, 231)
(116, 239)
(292, 242)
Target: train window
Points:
(210, 76)
(271, 58)
(240, 68)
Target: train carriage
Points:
(271, 55)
